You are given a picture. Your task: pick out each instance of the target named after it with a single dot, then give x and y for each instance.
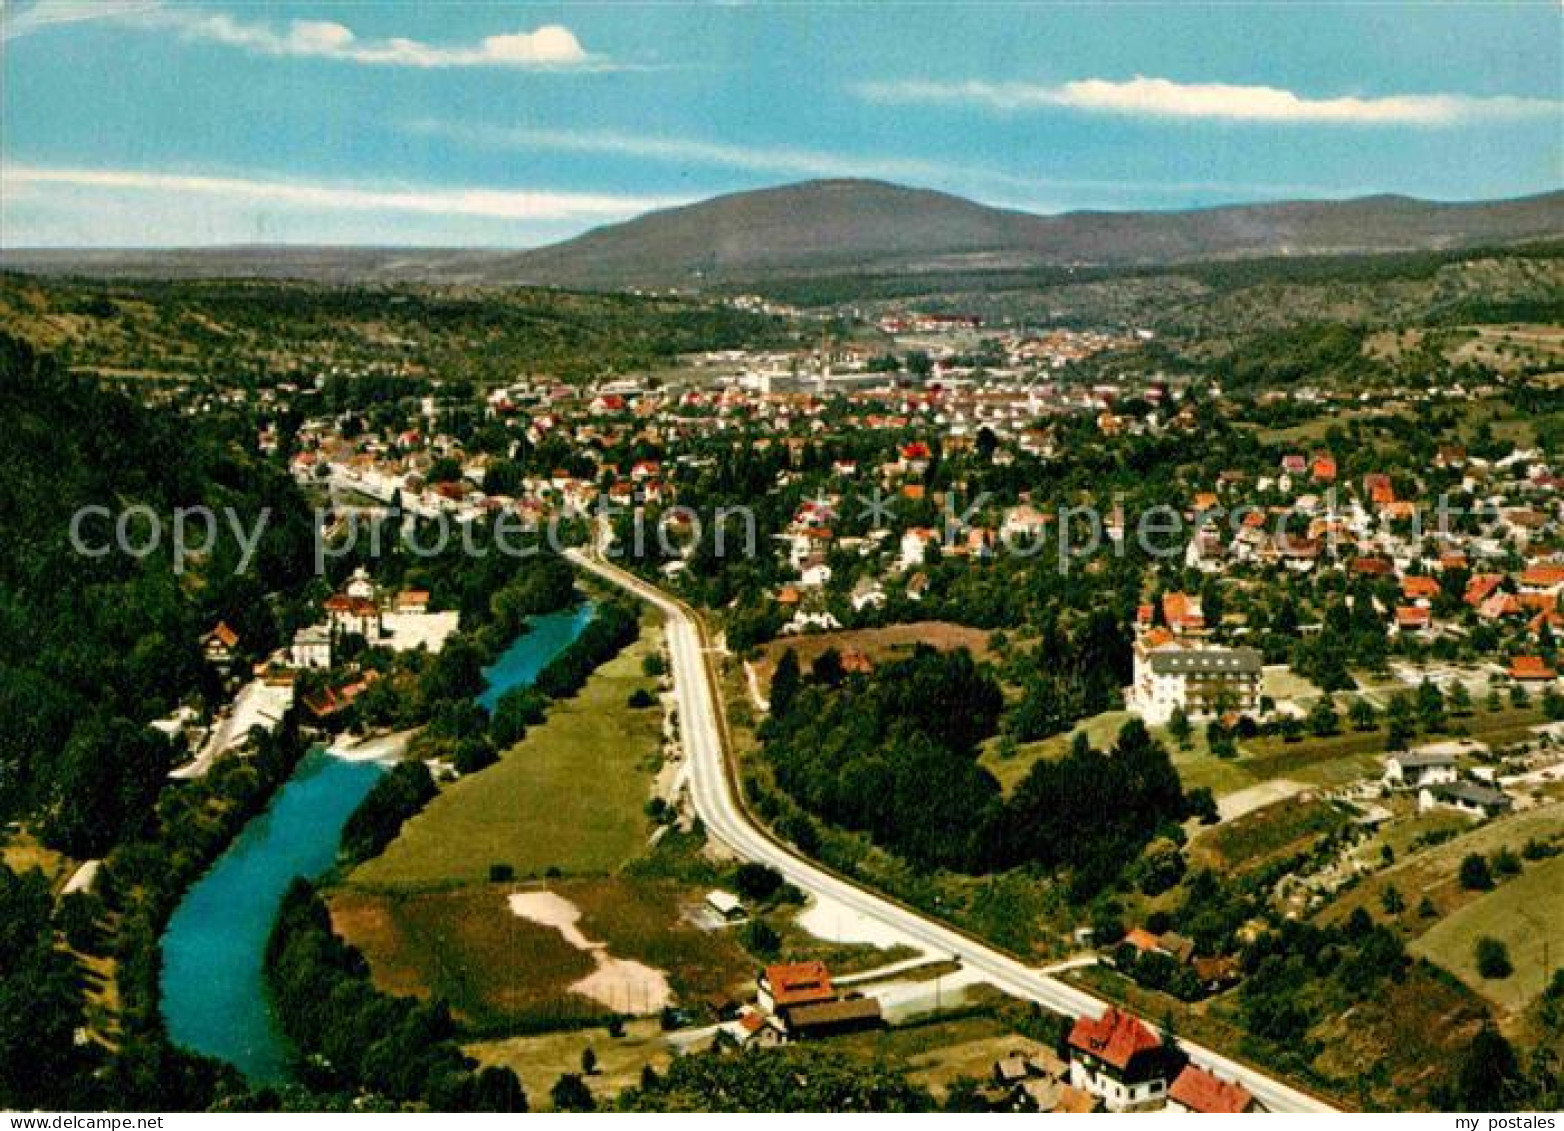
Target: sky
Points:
(134, 123)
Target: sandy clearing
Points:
(834, 922)
(621, 984)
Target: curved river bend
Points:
(213, 988)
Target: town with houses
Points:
(757, 558)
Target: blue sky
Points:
(134, 123)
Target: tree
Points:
(1363, 715)
(757, 882)
(784, 684)
(496, 1089)
(1474, 873)
(760, 938)
(1323, 720)
(1392, 901)
(1161, 866)
(1493, 958)
(1430, 706)
(1485, 1074)
(588, 1061)
(570, 1093)
(1202, 805)
(1179, 728)
(1460, 700)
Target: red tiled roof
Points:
(1115, 1038)
(1200, 1091)
(1530, 667)
(225, 635)
(798, 983)
(1543, 576)
(1141, 939)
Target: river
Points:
(213, 987)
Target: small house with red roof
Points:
(1200, 1091)
(1120, 1059)
(220, 645)
(1531, 669)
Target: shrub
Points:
(1475, 875)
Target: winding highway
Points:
(712, 792)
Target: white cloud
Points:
(550, 47)
(177, 188)
(1142, 97)
(784, 160)
(19, 19)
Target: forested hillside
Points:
(234, 328)
(95, 647)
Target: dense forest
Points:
(95, 647)
(893, 753)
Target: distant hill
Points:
(831, 226)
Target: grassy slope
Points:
(568, 796)
(1527, 915)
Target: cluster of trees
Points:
(245, 326)
(893, 753)
(613, 627)
(357, 1039)
(1300, 974)
(405, 789)
(41, 999)
(1095, 811)
(1071, 676)
(795, 1078)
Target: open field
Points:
(879, 644)
(500, 971)
(23, 853)
(541, 1059)
(1101, 730)
(493, 968)
(1527, 915)
(1432, 871)
(569, 796)
(938, 1050)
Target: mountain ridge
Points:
(829, 226)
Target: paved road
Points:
(711, 792)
